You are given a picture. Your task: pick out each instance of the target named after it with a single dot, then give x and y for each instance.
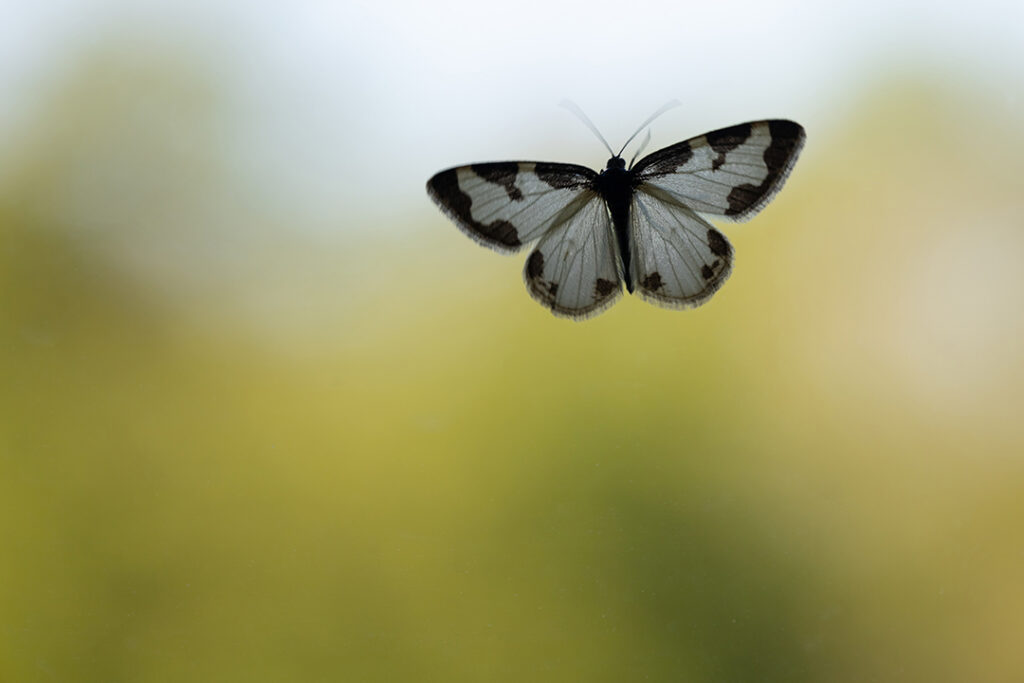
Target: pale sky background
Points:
(349, 107)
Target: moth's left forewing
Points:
(732, 172)
(507, 205)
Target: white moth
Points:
(638, 225)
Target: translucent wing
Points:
(731, 172)
(509, 204)
(679, 259)
(574, 270)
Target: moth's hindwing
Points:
(509, 204)
(732, 172)
(574, 271)
(679, 259)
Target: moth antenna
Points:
(643, 146)
(571, 106)
(661, 110)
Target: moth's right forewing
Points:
(506, 205)
(732, 172)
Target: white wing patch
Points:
(732, 172)
(679, 259)
(574, 271)
(507, 205)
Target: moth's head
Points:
(616, 163)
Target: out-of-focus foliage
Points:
(231, 452)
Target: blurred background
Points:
(266, 415)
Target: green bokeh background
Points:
(390, 464)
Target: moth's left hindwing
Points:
(507, 205)
(575, 269)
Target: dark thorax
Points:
(615, 185)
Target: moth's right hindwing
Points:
(679, 259)
(507, 205)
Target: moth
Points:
(639, 226)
